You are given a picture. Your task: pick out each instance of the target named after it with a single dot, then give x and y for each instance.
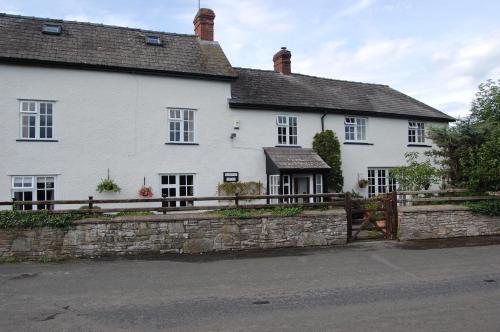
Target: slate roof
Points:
(285, 158)
(107, 47)
(265, 89)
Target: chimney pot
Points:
(204, 24)
(282, 61)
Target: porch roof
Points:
(293, 159)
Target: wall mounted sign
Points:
(231, 177)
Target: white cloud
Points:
(444, 74)
(8, 7)
(355, 8)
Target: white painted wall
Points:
(119, 121)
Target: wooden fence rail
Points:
(240, 201)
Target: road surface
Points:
(363, 287)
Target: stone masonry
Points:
(444, 221)
(181, 233)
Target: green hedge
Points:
(291, 211)
(16, 219)
(489, 208)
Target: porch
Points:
(295, 171)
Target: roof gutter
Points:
(130, 70)
(252, 106)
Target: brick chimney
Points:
(282, 61)
(204, 24)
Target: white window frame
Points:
(35, 112)
(288, 133)
(353, 125)
(318, 186)
(181, 120)
(379, 181)
(177, 187)
(416, 132)
(274, 186)
(32, 180)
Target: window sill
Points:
(287, 146)
(357, 143)
(36, 140)
(419, 145)
(180, 143)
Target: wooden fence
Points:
(381, 216)
(440, 196)
(239, 201)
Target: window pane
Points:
(189, 180)
(28, 196)
(164, 180)
(171, 179)
(27, 182)
(40, 183)
(18, 182)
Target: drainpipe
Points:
(323, 122)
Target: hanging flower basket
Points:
(362, 183)
(107, 185)
(146, 192)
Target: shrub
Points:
(282, 211)
(237, 212)
(17, 219)
(285, 211)
(133, 213)
(489, 208)
(327, 145)
(11, 259)
(415, 175)
(242, 188)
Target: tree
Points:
(469, 150)
(415, 175)
(327, 145)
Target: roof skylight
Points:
(153, 40)
(52, 29)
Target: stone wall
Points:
(181, 233)
(444, 221)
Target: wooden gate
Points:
(372, 218)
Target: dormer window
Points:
(52, 29)
(153, 40)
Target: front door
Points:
(301, 186)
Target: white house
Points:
(79, 100)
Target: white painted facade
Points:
(118, 121)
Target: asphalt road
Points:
(365, 287)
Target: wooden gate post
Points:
(348, 210)
(395, 218)
(386, 203)
(164, 203)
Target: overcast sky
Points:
(436, 51)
